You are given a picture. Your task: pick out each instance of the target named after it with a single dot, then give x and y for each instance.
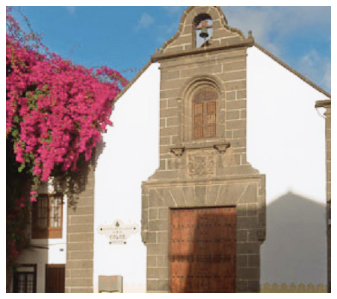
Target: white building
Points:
(285, 141)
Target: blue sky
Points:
(124, 38)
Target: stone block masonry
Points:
(208, 172)
(80, 240)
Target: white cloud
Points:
(166, 32)
(71, 9)
(316, 68)
(327, 76)
(145, 21)
(274, 28)
(271, 24)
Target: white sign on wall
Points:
(118, 232)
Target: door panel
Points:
(55, 278)
(203, 248)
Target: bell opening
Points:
(203, 26)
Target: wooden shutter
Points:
(204, 113)
(210, 122)
(198, 120)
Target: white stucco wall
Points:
(46, 251)
(286, 141)
(130, 156)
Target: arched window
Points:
(204, 113)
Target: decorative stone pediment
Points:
(185, 40)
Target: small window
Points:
(47, 217)
(25, 279)
(204, 113)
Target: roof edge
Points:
(289, 68)
(127, 87)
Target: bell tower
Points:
(203, 210)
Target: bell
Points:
(204, 32)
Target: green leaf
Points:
(15, 133)
(22, 167)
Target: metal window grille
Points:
(25, 279)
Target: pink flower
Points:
(55, 110)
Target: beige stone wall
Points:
(293, 288)
(228, 70)
(328, 150)
(208, 172)
(328, 167)
(80, 240)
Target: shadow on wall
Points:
(35, 273)
(30, 270)
(295, 246)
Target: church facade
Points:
(213, 178)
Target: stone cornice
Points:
(221, 147)
(323, 104)
(249, 42)
(204, 181)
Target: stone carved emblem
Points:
(201, 164)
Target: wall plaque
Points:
(110, 284)
(118, 232)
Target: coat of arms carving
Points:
(201, 165)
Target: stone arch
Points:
(199, 20)
(194, 85)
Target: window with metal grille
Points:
(204, 113)
(25, 279)
(47, 217)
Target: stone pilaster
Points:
(80, 240)
(328, 178)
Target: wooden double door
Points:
(203, 250)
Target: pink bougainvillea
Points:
(55, 113)
(55, 110)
